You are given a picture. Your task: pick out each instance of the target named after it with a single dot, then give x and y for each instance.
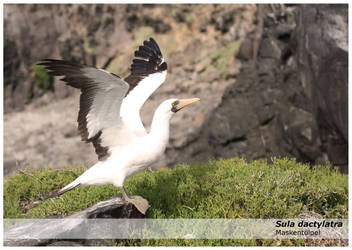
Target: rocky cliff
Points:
(272, 79)
(289, 99)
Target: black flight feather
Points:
(151, 62)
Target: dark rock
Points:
(246, 51)
(265, 115)
(293, 100)
(229, 124)
(322, 55)
(300, 131)
(269, 49)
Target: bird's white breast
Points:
(136, 157)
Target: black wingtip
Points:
(43, 62)
(151, 61)
(155, 45)
(152, 46)
(48, 61)
(57, 67)
(59, 62)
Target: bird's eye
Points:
(174, 106)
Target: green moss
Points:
(219, 61)
(229, 188)
(41, 77)
(87, 48)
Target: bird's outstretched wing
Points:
(148, 72)
(101, 97)
(105, 117)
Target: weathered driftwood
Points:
(22, 234)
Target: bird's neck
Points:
(159, 131)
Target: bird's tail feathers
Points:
(65, 189)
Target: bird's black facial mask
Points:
(174, 106)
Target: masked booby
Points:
(109, 117)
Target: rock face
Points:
(291, 100)
(272, 79)
(113, 208)
(322, 56)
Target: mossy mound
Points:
(229, 188)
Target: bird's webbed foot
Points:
(139, 202)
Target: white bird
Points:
(109, 117)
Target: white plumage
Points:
(133, 102)
(110, 119)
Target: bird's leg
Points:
(139, 202)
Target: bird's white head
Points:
(171, 106)
(163, 114)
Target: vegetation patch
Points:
(229, 188)
(219, 61)
(41, 77)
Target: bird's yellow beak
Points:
(185, 102)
